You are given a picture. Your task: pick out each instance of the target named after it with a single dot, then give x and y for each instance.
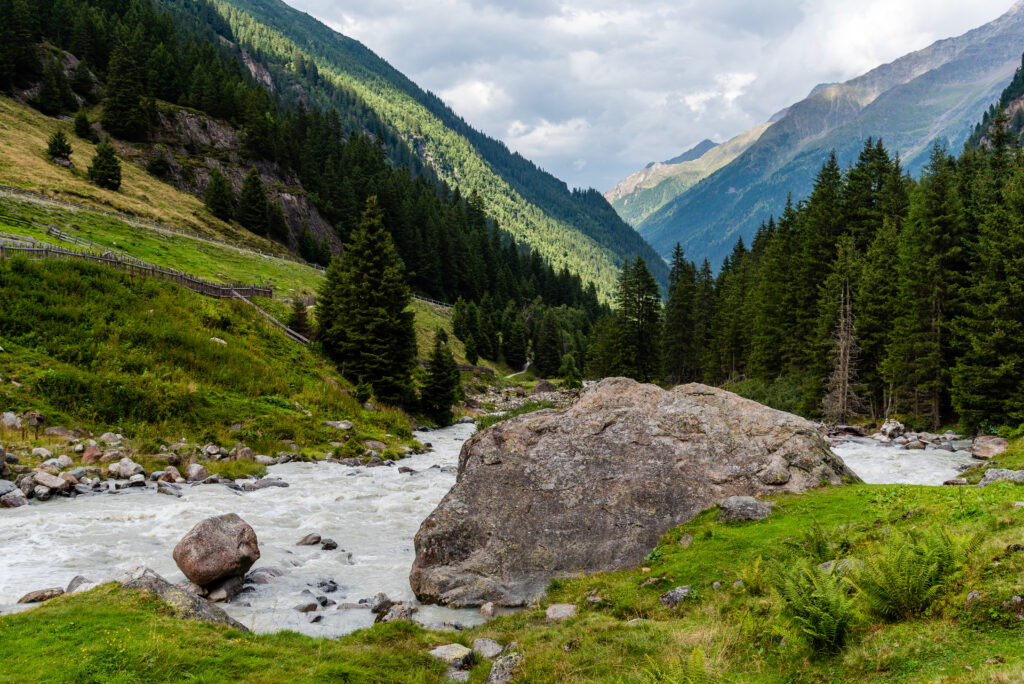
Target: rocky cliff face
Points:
(592, 488)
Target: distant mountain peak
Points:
(697, 151)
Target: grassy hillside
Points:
(729, 634)
(576, 229)
(24, 165)
(90, 346)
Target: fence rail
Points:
(152, 224)
(137, 267)
(301, 339)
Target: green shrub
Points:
(818, 603)
(912, 571)
(820, 544)
(755, 577)
(693, 670)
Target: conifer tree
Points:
(679, 328)
(58, 146)
(218, 197)
(548, 351)
(638, 303)
(932, 246)
(514, 343)
(252, 204)
(442, 388)
(874, 298)
(83, 129)
(365, 326)
(298, 319)
(277, 227)
(105, 170)
(988, 380)
(55, 94)
(82, 82)
(124, 114)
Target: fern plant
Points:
(912, 571)
(818, 603)
(693, 670)
(755, 577)
(820, 544)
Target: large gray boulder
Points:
(217, 548)
(593, 487)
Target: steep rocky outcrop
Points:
(593, 487)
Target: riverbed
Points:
(372, 513)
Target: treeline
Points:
(878, 294)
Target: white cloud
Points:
(619, 83)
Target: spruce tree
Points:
(298, 318)
(365, 324)
(55, 94)
(514, 343)
(678, 333)
(875, 298)
(252, 204)
(277, 227)
(638, 303)
(218, 197)
(105, 170)
(124, 113)
(548, 352)
(58, 146)
(442, 388)
(839, 336)
(82, 81)
(83, 129)
(932, 247)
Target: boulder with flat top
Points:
(592, 488)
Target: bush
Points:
(912, 571)
(821, 545)
(83, 129)
(818, 602)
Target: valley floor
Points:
(728, 633)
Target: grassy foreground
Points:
(732, 634)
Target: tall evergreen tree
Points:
(124, 113)
(638, 303)
(58, 146)
(105, 170)
(443, 387)
(548, 350)
(365, 326)
(678, 344)
(252, 204)
(218, 197)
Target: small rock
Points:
(738, 584)
(892, 428)
(716, 585)
(226, 590)
(1000, 475)
(956, 482)
(454, 655)
(973, 597)
(308, 607)
(264, 575)
(168, 488)
(218, 341)
(487, 648)
(504, 668)
(311, 539)
(42, 453)
(487, 610)
(195, 473)
(557, 612)
(380, 603)
(42, 493)
(41, 595)
(686, 540)
(454, 675)
(13, 499)
(673, 597)
(328, 545)
(264, 460)
(744, 508)
(594, 600)
(397, 613)
(986, 447)
(79, 584)
(51, 481)
(338, 424)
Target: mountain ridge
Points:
(946, 85)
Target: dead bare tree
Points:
(841, 403)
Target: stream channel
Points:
(372, 513)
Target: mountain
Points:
(695, 152)
(570, 228)
(648, 190)
(937, 93)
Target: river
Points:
(372, 513)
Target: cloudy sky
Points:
(593, 90)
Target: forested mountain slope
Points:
(577, 229)
(935, 93)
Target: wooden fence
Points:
(137, 267)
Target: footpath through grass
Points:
(729, 634)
